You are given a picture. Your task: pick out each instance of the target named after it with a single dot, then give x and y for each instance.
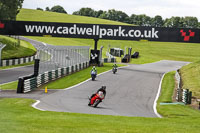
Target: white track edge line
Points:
(38, 101)
(157, 96)
(35, 104)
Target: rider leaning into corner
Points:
(99, 91)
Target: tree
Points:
(59, 9)
(141, 20)
(157, 21)
(9, 9)
(85, 12)
(47, 9)
(190, 22)
(133, 19)
(98, 13)
(199, 25)
(39, 9)
(115, 15)
(175, 22)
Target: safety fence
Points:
(54, 57)
(35, 82)
(18, 61)
(182, 95)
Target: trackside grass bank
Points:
(16, 116)
(149, 51)
(190, 75)
(14, 50)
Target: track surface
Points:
(13, 74)
(130, 92)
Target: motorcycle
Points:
(114, 70)
(97, 98)
(93, 75)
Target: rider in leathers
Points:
(92, 98)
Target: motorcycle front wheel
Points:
(96, 103)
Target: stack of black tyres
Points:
(135, 55)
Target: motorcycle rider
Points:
(115, 66)
(99, 91)
(94, 70)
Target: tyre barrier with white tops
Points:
(35, 82)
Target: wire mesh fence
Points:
(54, 57)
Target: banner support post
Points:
(95, 43)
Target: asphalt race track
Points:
(53, 63)
(130, 92)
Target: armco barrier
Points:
(183, 95)
(17, 61)
(35, 82)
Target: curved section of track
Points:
(130, 92)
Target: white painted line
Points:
(157, 96)
(35, 104)
(38, 101)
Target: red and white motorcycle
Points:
(96, 99)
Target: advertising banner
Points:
(99, 31)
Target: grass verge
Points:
(16, 113)
(9, 86)
(13, 51)
(149, 51)
(182, 112)
(190, 75)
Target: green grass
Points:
(190, 75)
(11, 51)
(44, 16)
(168, 86)
(17, 116)
(149, 51)
(184, 113)
(9, 86)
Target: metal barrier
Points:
(183, 95)
(54, 57)
(35, 82)
(1, 48)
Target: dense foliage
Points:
(9, 9)
(142, 19)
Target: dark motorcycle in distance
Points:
(93, 75)
(114, 70)
(97, 98)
